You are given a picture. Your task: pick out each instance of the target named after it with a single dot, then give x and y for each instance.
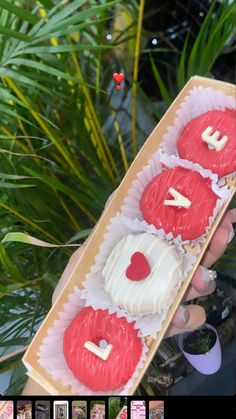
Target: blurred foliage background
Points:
(67, 137)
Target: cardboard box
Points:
(35, 371)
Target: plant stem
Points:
(29, 222)
(93, 117)
(121, 142)
(43, 125)
(69, 213)
(18, 143)
(21, 286)
(135, 76)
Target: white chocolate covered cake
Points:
(141, 273)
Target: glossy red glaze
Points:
(189, 222)
(95, 325)
(191, 146)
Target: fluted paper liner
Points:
(199, 101)
(131, 212)
(96, 296)
(81, 267)
(51, 355)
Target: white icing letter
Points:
(178, 201)
(96, 350)
(212, 140)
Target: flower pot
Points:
(207, 363)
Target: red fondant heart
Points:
(139, 267)
(118, 77)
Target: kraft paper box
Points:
(82, 268)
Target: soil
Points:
(195, 343)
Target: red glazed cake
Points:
(210, 140)
(102, 330)
(180, 201)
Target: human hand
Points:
(185, 318)
(203, 283)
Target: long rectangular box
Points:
(35, 371)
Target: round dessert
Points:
(210, 140)
(101, 349)
(180, 201)
(141, 272)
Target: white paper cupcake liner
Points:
(52, 359)
(130, 220)
(199, 101)
(96, 296)
(132, 215)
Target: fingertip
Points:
(181, 317)
(232, 213)
(219, 242)
(226, 219)
(197, 317)
(204, 280)
(197, 282)
(229, 218)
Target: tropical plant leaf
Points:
(14, 34)
(25, 238)
(160, 83)
(18, 11)
(9, 185)
(66, 128)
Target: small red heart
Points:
(118, 77)
(139, 267)
(118, 87)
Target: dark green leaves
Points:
(199, 53)
(18, 11)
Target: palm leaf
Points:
(18, 11)
(160, 83)
(55, 102)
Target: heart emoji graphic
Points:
(139, 267)
(118, 77)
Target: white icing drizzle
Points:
(149, 295)
(148, 285)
